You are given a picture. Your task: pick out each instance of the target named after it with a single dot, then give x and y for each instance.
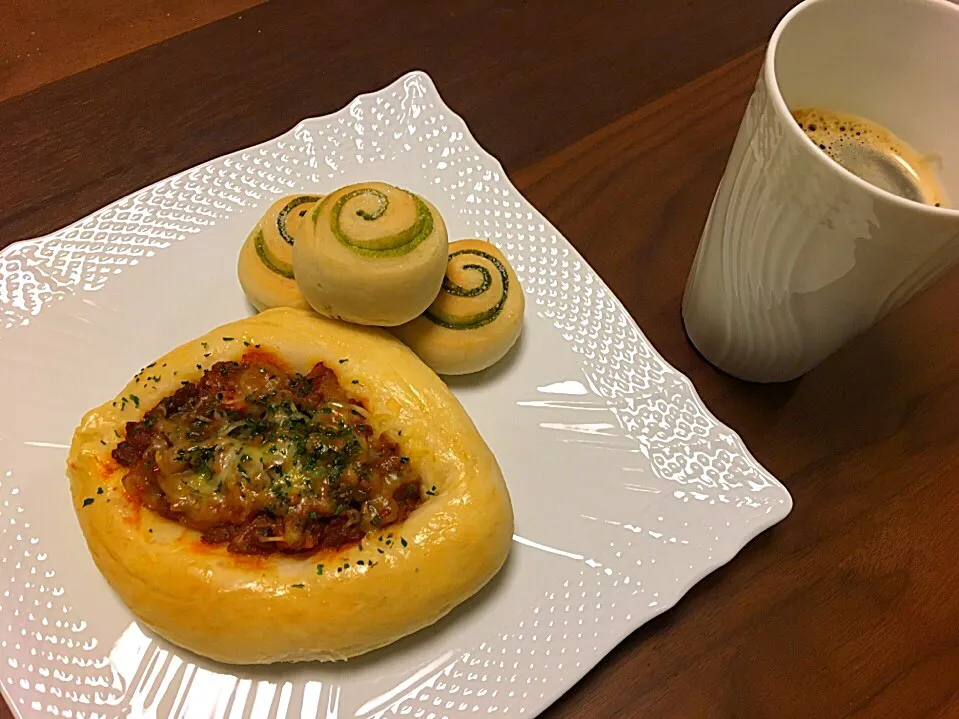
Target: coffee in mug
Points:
(874, 154)
(807, 245)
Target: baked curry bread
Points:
(288, 488)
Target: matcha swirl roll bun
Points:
(376, 255)
(477, 316)
(265, 265)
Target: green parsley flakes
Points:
(88, 501)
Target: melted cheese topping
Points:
(267, 460)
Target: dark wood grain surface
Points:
(51, 39)
(615, 119)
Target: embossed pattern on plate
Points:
(627, 491)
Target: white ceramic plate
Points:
(626, 490)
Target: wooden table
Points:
(615, 119)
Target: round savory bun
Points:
(265, 265)
(328, 604)
(265, 285)
(477, 316)
(376, 256)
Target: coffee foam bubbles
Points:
(872, 153)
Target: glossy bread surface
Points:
(331, 605)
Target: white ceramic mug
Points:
(798, 254)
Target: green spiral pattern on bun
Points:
(283, 216)
(476, 317)
(371, 205)
(375, 255)
(278, 231)
(271, 261)
(265, 265)
(450, 311)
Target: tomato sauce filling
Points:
(267, 460)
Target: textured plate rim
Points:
(705, 568)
